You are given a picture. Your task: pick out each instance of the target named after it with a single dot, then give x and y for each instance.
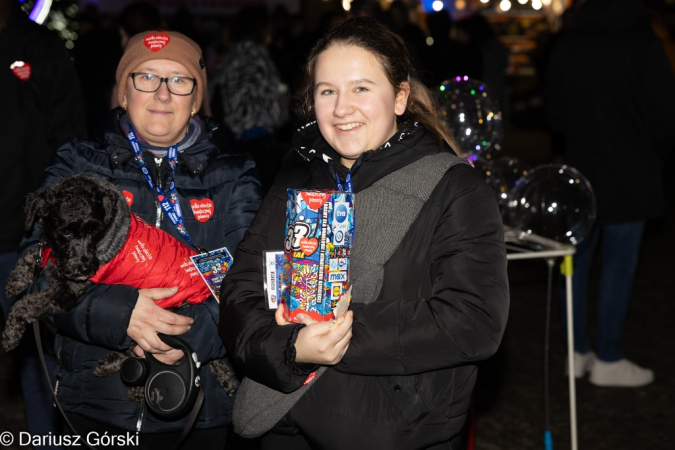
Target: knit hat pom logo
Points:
(156, 42)
(21, 70)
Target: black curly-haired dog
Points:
(85, 222)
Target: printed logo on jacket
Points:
(202, 208)
(21, 69)
(129, 197)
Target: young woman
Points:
(428, 267)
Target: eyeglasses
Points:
(148, 82)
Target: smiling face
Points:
(160, 117)
(355, 104)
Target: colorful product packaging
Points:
(319, 231)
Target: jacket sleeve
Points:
(463, 321)
(202, 336)
(263, 350)
(246, 198)
(101, 317)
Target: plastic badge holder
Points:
(273, 283)
(213, 266)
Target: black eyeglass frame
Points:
(162, 80)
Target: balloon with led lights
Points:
(553, 201)
(474, 116)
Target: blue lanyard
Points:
(348, 182)
(169, 203)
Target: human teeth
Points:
(349, 126)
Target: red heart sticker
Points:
(156, 42)
(21, 70)
(160, 197)
(129, 197)
(314, 200)
(308, 245)
(202, 209)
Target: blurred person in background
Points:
(446, 57)
(610, 93)
(42, 107)
(95, 55)
(398, 18)
(487, 57)
(136, 18)
(247, 94)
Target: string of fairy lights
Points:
(60, 15)
(499, 6)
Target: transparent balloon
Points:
(502, 175)
(553, 201)
(474, 116)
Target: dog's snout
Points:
(88, 263)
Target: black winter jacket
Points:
(611, 92)
(406, 380)
(99, 322)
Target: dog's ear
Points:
(34, 208)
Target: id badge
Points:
(273, 262)
(213, 266)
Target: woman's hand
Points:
(170, 357)
(323, 343)
(279, 315)
(148, 319)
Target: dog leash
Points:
(38, 342)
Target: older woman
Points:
(430, 289)
(161, 81)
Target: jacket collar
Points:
(411, 142)
(195, 156)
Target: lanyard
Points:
(348, 182)
(169, 203)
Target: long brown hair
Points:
(393, 55)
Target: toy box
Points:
(319, 230)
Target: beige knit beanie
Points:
(169, 45)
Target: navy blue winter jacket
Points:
(98, 324)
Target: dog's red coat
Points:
(152, 258)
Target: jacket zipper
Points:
(158, 180)
(141, 411)
(57, 380)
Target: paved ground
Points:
(509, 401)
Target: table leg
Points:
(567, 271)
